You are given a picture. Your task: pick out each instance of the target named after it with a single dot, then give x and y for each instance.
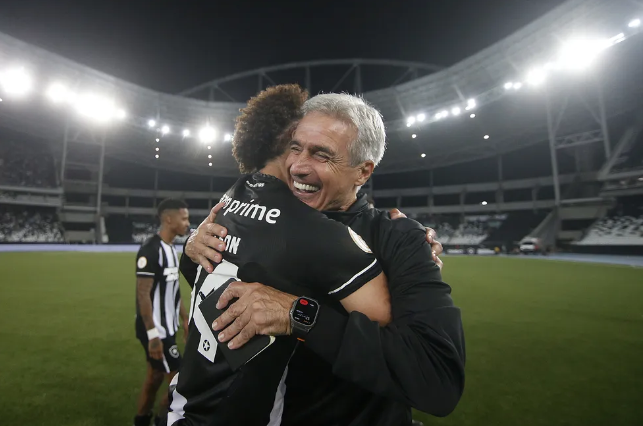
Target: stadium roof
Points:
(510, 118)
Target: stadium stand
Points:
(623, 226)
(28, 165)
(29, 225)
(473, 231)
(615, 231)
(516, 226)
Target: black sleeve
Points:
(338, 258)
(187, 267)
(418, 359)
(147, 261)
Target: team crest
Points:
(174, 351)
(141, 263)
(359, 241)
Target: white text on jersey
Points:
(249, 210)
(231, 243)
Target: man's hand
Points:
(259, 310)
(431, 238)
(155, 349)
(203, 242)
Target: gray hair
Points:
(371, 135)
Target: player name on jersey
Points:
(253, 211)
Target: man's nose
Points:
(301, 166)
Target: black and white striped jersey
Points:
(303, 253)
(158, 260)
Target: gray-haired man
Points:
(351, 371)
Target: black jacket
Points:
(351, 371)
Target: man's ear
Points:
(364, 170)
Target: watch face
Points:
(305, 312)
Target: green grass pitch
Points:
(548, 343)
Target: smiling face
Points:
(319, 163)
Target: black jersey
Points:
(157, 259)
(298, 245)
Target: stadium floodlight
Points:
(157, 156)
(471, 104)
(165, 129)
(58, 93)
(158, 140)
(210, 164)
(207, 134)
(95, 107)
(151, 123)
(158, 149)
(410, 121)
(456, 111)
(121, 114)
(209, 155)
(484, 203)
(422, 155)
(536, 76)
(486, 137)
(517, 86)
(509, 85)
(186, 133)
(634, 23)
(209, 147)
(579, 54)
(472, 116)
(227, 137)
(614, 40)
(414, 136)
(421, 117)
(16, 82)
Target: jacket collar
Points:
(359, 206)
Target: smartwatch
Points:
(303, 315)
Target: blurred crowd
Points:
(29, 225)
(26, 165)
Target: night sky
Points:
(170, 45)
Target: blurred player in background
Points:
(159, 306)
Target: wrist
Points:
(152, 333)
(303, 316)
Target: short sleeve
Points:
(340, 259)
(147, 261)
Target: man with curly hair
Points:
(350, 370)
(268, 226)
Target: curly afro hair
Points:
(262, 130)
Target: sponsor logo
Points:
(174, 351)
(141, 262)
(171, 274)
(255, 185)
(250, 210)
(359, 241)
(206, 345)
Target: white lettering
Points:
(240, 207)
(226, 200)
(234, 245)
(232, 207)
(254, 211)
(256, 207)
(255, 185)
(273, 213)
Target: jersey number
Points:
(224, 272)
